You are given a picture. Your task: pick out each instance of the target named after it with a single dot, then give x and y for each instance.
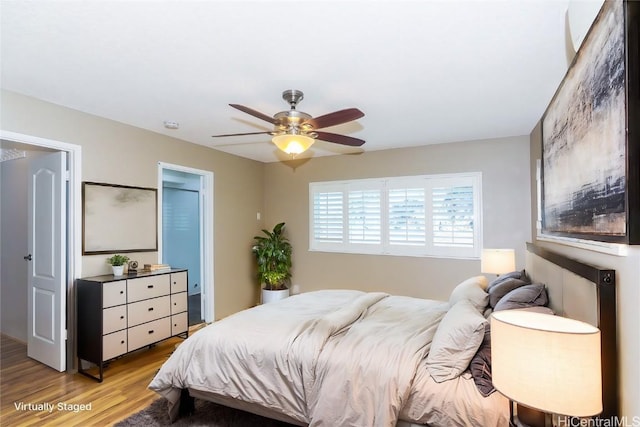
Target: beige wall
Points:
(116, 153)
(628, 297)
(504, 164)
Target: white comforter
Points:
(326, 358)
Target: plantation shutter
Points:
(328, 216)
(453, 216)
(407, 216)
(426, 215)
(365, 219)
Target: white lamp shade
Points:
(293, 143)
(497, 261)
(547, 362)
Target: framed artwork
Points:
(118, 218)
(590, 141)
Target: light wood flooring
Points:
(122, 393)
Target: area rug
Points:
(206, 414)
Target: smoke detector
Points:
(171, 124)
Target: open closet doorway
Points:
(41, 241)
(186, 232)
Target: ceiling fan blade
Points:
(339, 139)
(254, 113)
(335, 118)
(239, 134)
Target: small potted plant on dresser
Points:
(117, 262)
(273, 255)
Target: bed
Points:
(352, 358)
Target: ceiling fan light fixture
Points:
(293, 144)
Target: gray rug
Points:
(206, 414)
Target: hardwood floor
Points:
(75, 399)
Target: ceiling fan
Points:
(295, 131)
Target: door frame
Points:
(206, 232)
(74, 225)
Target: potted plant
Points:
(117, 262)
(273, 255)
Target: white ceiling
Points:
(423, 72)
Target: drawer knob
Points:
(150, 286)
(150, 308)
(150, 332)
(121, 292)
(122, 342)
(122, 317)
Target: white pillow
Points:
(472, 289)
(455, 342)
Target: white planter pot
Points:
(271, 296)
(118, 270)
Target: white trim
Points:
(207, 252)
(74, 230)
(615, 249)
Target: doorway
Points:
(14, 250)
(186, 239)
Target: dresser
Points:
(120, 314)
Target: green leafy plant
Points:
(273, 254)
(117, 260)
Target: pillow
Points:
(456, 340)
(471, 289)
(504, 287)
(522, 275)
(480, 365)
(524, 296)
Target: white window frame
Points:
(428, 182)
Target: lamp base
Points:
(529, 417)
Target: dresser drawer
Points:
(149, 333)
(179, 282)
(148, 310)
(178, 302)
(147, 287)
(114, 293)
(179, 323)
(114, 345)
(114, 319)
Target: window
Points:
(426, 215)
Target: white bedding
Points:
(327, 358)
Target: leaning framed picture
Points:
(118, 218)
(590, 135)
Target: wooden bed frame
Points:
(597, 291)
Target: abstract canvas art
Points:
(118, 218)
(584, 138)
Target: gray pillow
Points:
(504, 287)
(520, 274)
(480, 365)
(522, 297)
(455, 342)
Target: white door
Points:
(47, 260)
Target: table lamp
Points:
(546, 362)
(497, 261)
